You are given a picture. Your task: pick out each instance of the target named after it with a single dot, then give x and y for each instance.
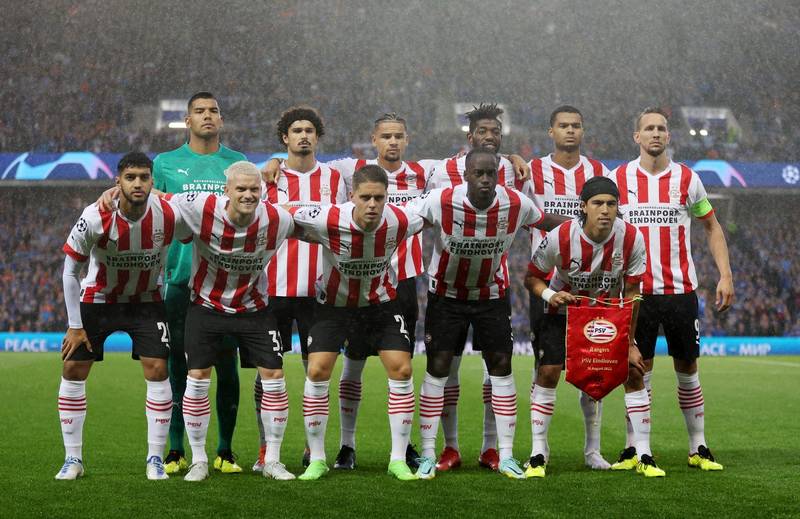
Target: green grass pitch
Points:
(752, 425)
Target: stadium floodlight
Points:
(704, 132)
(171, 113)
(692, 132)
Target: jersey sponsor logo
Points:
(134, 260)
(600, 331)
(476, 246)
(204, 187)
(82, 225)
(239, 262)
(654, 214)
(363, 268)
(563, 206)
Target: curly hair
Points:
(299, 113)
(483, 111)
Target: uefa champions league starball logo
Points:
(791, 175)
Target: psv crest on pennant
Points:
(600, 331)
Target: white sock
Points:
(637, 405)
(489, 422)
(504, 409)
(592, 419)
(72, 413)
(349, 399)
(431, 401)
(158, 410)
(629, 436)
(452, 391)
(315, 416)
(690, 399)
(542, 406)
(401, 415)
(258, 393)
(196, 416)
(274, 415)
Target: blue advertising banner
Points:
(100, 166)
(709, 346)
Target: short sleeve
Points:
(545, 257)
(697, 198)
(532, 215)
(84, 235)
(189, 209)
(638, 260)
(422, 206)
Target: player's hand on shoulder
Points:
(271, 171)
(521, 168)
(72, 341)
(106, 200)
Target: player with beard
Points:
(660, 197)
(557, 180)
(293, 271)
(125, 246)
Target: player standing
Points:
(406, 181)
(475, 224)
(293, 271)
(485, 131)
(599, 256)
(557, 180)
(660, 197)
(125, 247)
(196, 167)
(357, 306)
(234, 237)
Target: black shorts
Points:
(288, 310)
(551, 348)
(409, 309)
(679, 315)
(536, 314)
(255, 332)
(146, 323)
(366, 329)
(447, 320)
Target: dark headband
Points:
(599, 186)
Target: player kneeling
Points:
(125, 247)
(597, 256)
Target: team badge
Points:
(674, 194)
(158, 236)
(391, 244)
(616, 259)
(325, 191)
(502, 223)
(261, 239)
(411, 178)
(600, 331)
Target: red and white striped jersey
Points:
(557, 190)
(469, 254)
(356, 264)
(294, 270)
(587, 268)
(228, 261)
(405, 183)
(450, 173)
(661, 206)
(125, 257)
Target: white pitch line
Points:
(770, 362)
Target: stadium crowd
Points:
(768, 301)
(63, 92)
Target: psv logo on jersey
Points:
(600, 331)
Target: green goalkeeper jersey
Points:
(181, 171)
